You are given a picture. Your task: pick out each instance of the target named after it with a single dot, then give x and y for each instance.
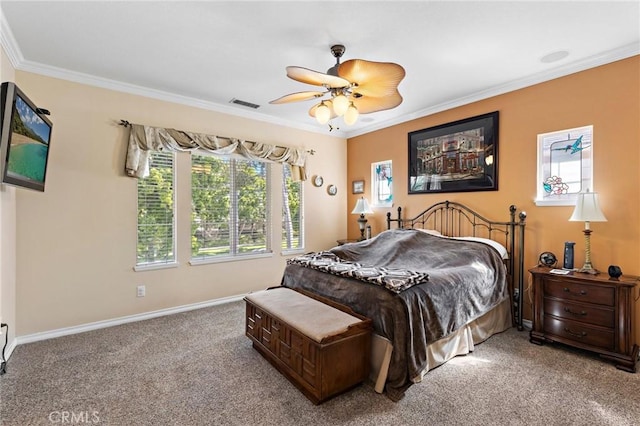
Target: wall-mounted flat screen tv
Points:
(25, 138)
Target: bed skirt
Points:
(461, 342)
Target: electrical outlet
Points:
(142, 291)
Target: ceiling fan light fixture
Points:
(340, 104)
(351, 115)
(353, 87)
(323, 113)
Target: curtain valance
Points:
(145, 139)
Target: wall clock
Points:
(332, 190)
(317, 181)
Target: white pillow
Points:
(496, 245)
(429, 231)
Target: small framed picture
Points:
(358, 187)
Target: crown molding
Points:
(610, 56)
(8, 42)
(133, 89)
(17, 60)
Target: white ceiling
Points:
(207, 53)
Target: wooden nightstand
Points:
(592, 312)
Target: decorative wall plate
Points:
(318, 181)
(332, 190)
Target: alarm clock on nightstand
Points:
(548, 259)
(614, 271)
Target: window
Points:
(565, 166)
(156, 212)
(292, 208)
(381, 188)
(230, 207)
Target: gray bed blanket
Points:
(466, 280)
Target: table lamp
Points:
(362, 208)
(587, 210)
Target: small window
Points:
(156, 212)
(292, 208)
(381, 180)
(565, 166)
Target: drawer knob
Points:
(569, 311)
(573, 333)
(582, 292)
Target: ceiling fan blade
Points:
(298, 96)
(305, 75)
(375, 79)
(368, 104)
(312, 111)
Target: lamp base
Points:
(588, 269)
(362, 223)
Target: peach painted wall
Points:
(607, 97)
(76, 242)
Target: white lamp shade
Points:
(362, 207)
(351, 116)
(340, 105)
(587, 209)
(323, 113)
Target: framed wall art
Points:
(357, 187)
(565, 166)
(455, 157)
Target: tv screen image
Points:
(25, 139)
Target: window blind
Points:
(292, 208)
(156, 211)
(230, 207)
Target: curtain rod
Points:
(125, 123)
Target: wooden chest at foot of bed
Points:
(323, 348)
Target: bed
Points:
(434, 286)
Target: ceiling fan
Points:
(354, 87)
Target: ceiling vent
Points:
(244, 103)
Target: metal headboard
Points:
(453, 219)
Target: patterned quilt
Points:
(393, 279)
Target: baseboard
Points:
(29, 338)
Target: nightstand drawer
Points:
(591, 314)
(580, 292)
(580, 333)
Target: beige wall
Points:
(608, 97)
(76, 241)
(7, 233)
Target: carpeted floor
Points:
(198, 368)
